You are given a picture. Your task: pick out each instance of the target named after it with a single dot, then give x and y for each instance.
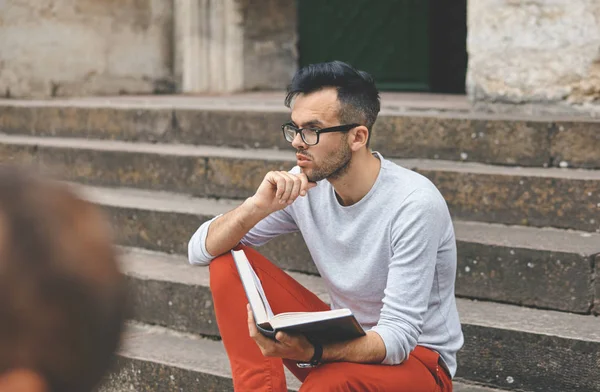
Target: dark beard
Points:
(335, 167)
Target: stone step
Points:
(157, 359)
(403, 130)
(546, 268)
(506, 346)
(563, 198)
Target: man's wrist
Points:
(315, 357)
(253, 212)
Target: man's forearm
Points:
(366, 349)
(226, 232)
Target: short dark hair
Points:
(62, 297)
(357, 94)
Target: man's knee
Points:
(223, 273)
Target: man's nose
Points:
(298, 143)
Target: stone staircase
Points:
(524, 194)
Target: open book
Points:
(324, 327)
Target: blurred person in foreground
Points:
(380, 236)
(62, 296)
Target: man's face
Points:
(331, 157)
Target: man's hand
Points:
(279, 189)
(294, 347)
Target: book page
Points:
(252, 286)
(291, 318)
(262, 294)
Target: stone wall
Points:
(270, 43)
(85, 47)
(226, 46)
(534, 55)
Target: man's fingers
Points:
(305, 184)
(283, 338)
(281, 184)
(289, 184)
(252, 330)
(295, 190)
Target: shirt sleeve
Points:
(416, 236)
(279, 222)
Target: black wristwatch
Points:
(316, 358)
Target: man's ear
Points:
(359, 137)
(22, 380)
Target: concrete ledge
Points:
(535, 267)
(528, 349)
(223, 121)
(154, 359)
(563, 198)
(157, 359)
(523, 361)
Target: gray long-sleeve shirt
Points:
(390, 258)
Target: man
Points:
(380, 236)
(61, 294)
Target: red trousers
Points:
(254, 372)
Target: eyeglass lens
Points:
(308, 135)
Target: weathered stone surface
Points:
(169, 361)
(270, 53)
(92, 122)
(247, 129)
(170, 232)
(553, 280)
(462, 139)
(238, 178)
(596, 309)
(73, 48)
(564, 286)
(473, 193)
(143, 375)
(184, 307)
(110, 168)
(515, 360)
(528, 201)
(450, 137)
(576, 144)
(533, 52)
(155, 230)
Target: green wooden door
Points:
(387, 38)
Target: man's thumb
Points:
(282, 337)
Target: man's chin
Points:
(309, 174)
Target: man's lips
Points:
(302, 158)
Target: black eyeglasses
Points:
(310, 136)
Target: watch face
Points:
(304, 365)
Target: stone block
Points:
(114, 168)
(517, 360)
(543, 279)
(234, 128)
(86, 122)
(183, 307)
(506, 142)
(568, 203)
(238, 178)
(576, 144)
(154, 230)
(144, 375)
